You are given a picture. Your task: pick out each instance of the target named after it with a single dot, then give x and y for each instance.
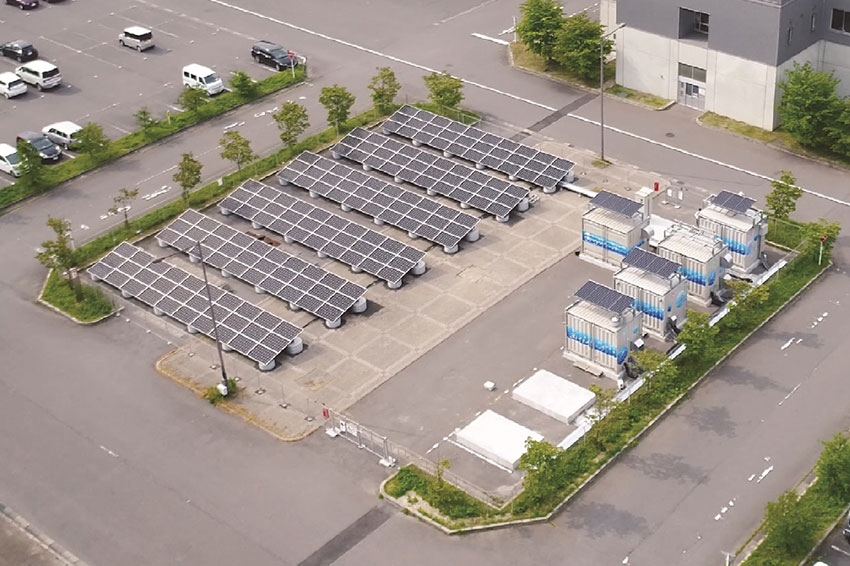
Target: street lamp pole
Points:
(222, 387)
(602, 90)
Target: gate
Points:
(343, 427)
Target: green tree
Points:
(236, 148)
(540, 463)
(384, 87)
(839, 130)
(93, 142)
(192, 98)
(538, 28)
(809, 104)
(834, 467)
(243, 84)
(444, 89)
(144, 119)
(58, 253)
(746, 304)
(121, 203)
(660, 373)
(697, 336)
(292, 120)
(32, 168)
(602, 415)
(790, 523)
(577, 46)
(782, 200)
(814, 232)
(338, 102)
(188, 175)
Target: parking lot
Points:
(104, 82)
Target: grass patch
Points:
(95, 303)
(644, 98)
(625, 421)
(776, 137)
(525, 59)
(216, 106)
(786, 233)
(452, 502)
(214, 396)
(601, 163)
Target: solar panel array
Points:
(648, 261)
(482, 148)
(731, 201)
(604, 297)
(409, 211)
(320, 230)
(431, 172)
(247, 329)
(268, 268)
(616, 203)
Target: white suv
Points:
(62, 133)
(9, 160)
(40, 73)
(11, 85)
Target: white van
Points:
(11, 85)
(204, 78)
(40, 73)
(62, 133)
(137, 37)
(9, 160)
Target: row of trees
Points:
(812, 112)
(573, 42)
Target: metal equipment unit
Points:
(658, 288)
(701, 255)
(600, 329)
(742, 227)
(611, 228)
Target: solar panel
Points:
(604, 297)
(517, 160)
(264, 266)
(187, 302)
(732, 201)
(436, 175)
(616, 203)
(326, 233)
(648, 261)
(385, 202)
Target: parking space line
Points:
(155, 28)
(198, 20)
(83, 52)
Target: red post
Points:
(656, 186)
(325, 412)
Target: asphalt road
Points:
(123, 467)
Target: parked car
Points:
(204, 78)
(9, 160)
(62, 133)
(48, 150)
(11, 85)
(40, 73)
(137, 37)
(20, 50)
(846, 531)
(273, 55)
(23, 4)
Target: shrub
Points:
(95, 303)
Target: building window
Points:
(840, 20)
(790, 34)
(693, 24)
(689, 72)
(814, 22)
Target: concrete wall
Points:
(836, 58)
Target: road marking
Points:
(796, 387)
(82, 52)
(786, 344)
(108, 451)
(465, 12)
(836, 549)
(488, 38)
(764, 474)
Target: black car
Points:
(48, 150)
(23, 4)
(846, 531)
(273, 55)
(20, 50)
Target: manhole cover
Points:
(670, 135)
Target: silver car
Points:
(137, 37)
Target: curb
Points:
(47, 543)
(632, 442)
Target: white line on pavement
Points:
(835, 548)
(75, 50)
(488, 38)
(514, 97)
(465, 12)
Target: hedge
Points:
(58, 174)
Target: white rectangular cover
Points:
(496, 438)
(554, 396)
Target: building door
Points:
(691, 93)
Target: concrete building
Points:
(727, 56)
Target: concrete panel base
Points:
(554, 396)
(496, 438)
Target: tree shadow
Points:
(664, 467)
(738, 375)
(600, 519)
(712, 419)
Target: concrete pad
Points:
(496, 438)
(507, 273)
(555, 396)
(447, 310)
(383, 352)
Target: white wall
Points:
(644, 62)
(836, 58)
(608, 13)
